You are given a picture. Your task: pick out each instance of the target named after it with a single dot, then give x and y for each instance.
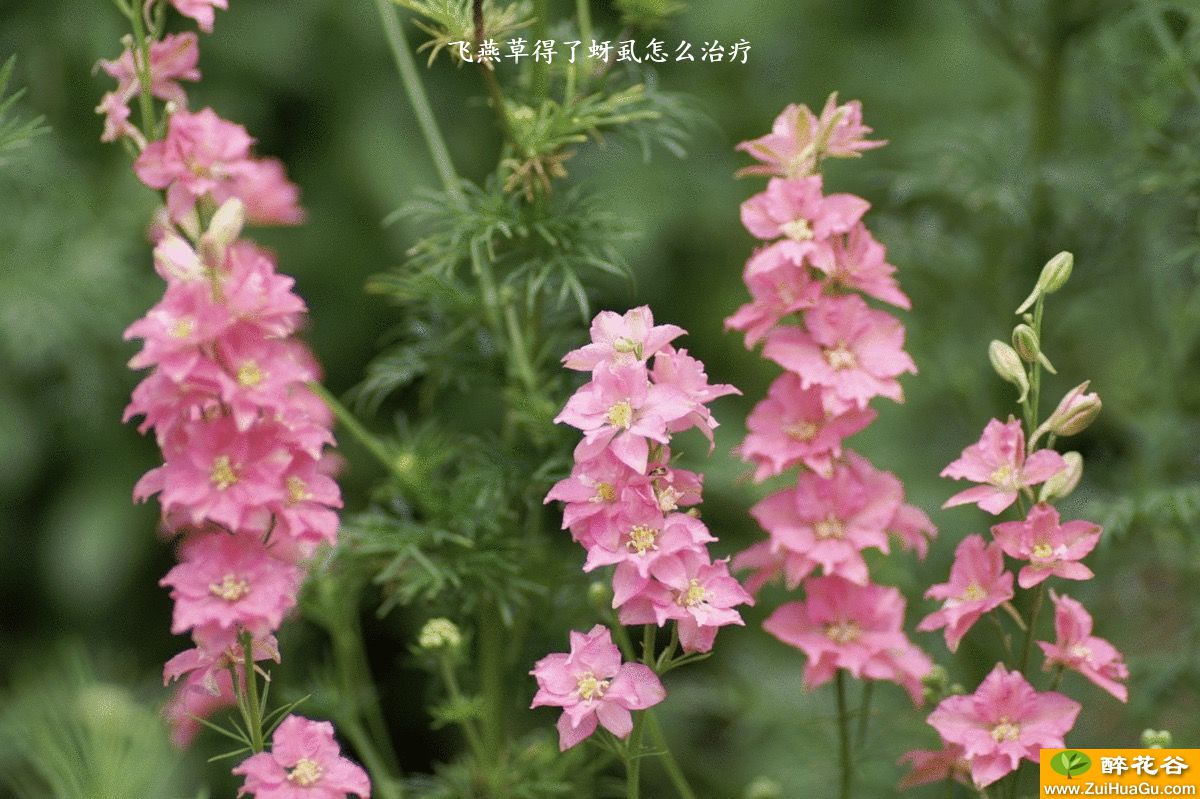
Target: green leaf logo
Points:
(1071, 763)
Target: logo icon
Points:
(1071, 763)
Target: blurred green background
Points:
(1018, 128)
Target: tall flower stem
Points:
(491, 665)
(674, 772)
(633, 755)
(1034, 610)
(145, 101)
(349, 421)
(864, 712)
(843, 711)
(253, 707)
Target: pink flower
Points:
(842, 625)
(792, 427)
(831, 520)
(620, 410)
(854, 351)
(856, 261)
(678, 370)
(195, 698)
(260, 374)
(270, 198)
(172, 59)
(640, 536)
(796, 209)
(999, 464)
(700, 596)
(217, 648)
(203, 155)
(200, 10)
(799, 139)
(231, 581)
(780, 284)
(1003, 722)
(947, 763)
(978, 584)
(913, 528)
(592, 685)
(306, 514)
(1076, 648)
(622, 340)
(305, 762)
(599, 486)
(1051, 548)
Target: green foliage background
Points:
(1018, 128)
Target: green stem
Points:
(633, 759)
(383, 784)
(1035, 379)
(253, 706)
(491, 665)
(540, 80)
(474, 740)
(351, 423)
(864, 712)
(417, 97)
(1029, 632)
(1170, 47)
(583, 10)
(519, 349)
(145, 100)
(668, 759)
(843, 712)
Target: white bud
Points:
(1008, 365)
(1062, 484)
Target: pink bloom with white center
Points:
(999, 464)
(204, 155)
(978, 584)
(598, 487)
(799, 139)
(791, 426)
(200, 10)
(233, 582)
(620, 340)
(172, 59)
(1050, 547)
(306, 513)
(913, 528)
(593, 686)
(622, 411)
(260, 373)
(797, 210)
(907, 666)
(1076, 648)
(305, 762)
(936, 765)
(254, 292)
(217, 648)
(841, 625)
(856, 261)
(1003, 722)
(854, 351)
(831, 520)
(769, 560)
(637, 539)
(676, 369)
(780, 284)
(700, 596)
(194, 699)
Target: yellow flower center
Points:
(668, 498)
(831, 527)
(803, 430)
(1043, 552)
(797, 230)
(249, 374)
(620, 415)
(840, 358)
(974, 592)
(305, 773)
(182, 328)
(627, 350)
(589, 687)
(222, 475)
(694, 595)
(642, 538)
(1005, 731)
(843, 632)
(1004, 477)
(605, 492)
(297, 490)
(231, 588)
(1080, 651)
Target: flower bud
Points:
(600, 596)
(439, 633)
(1075, 412)
(936, 684)
(1008, 365)
(1157, 739)
(1054, 276)
(764, 788)
(1025, 342)
(223, 230)
(1064, 482)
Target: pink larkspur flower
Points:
(796, 209)
(305, 762)
(592, 686)
(978, 584)
(638, 538)
(620, 340)
(853, 351)
(935, 765)
(913, 528)
(999, 464)
(217, 648)
(857, 261)
(678, 370)
(791, 426)
(700, 596)
(1003, 722)
(1076, 648)
(599, 487)
(780, 284)
(197, 698)
(307, 512)
(621, 410)
(842, 625)
(202, 11)
(832, 520)
(233, 582)
(794, 146)
(172, 59)
(1050, 547)
(260, 374)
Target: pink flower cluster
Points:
(986, 735)
(818, 264)
(624, 501)
(245, 485)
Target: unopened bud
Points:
(1025, 342)
(1075, 412)
(1157, 739)
(1063, 483)
(936, 684)
(764, 788)
(440, 633)
(223, 230)
(600, 596)
(1054, 276)
(1008, 365)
